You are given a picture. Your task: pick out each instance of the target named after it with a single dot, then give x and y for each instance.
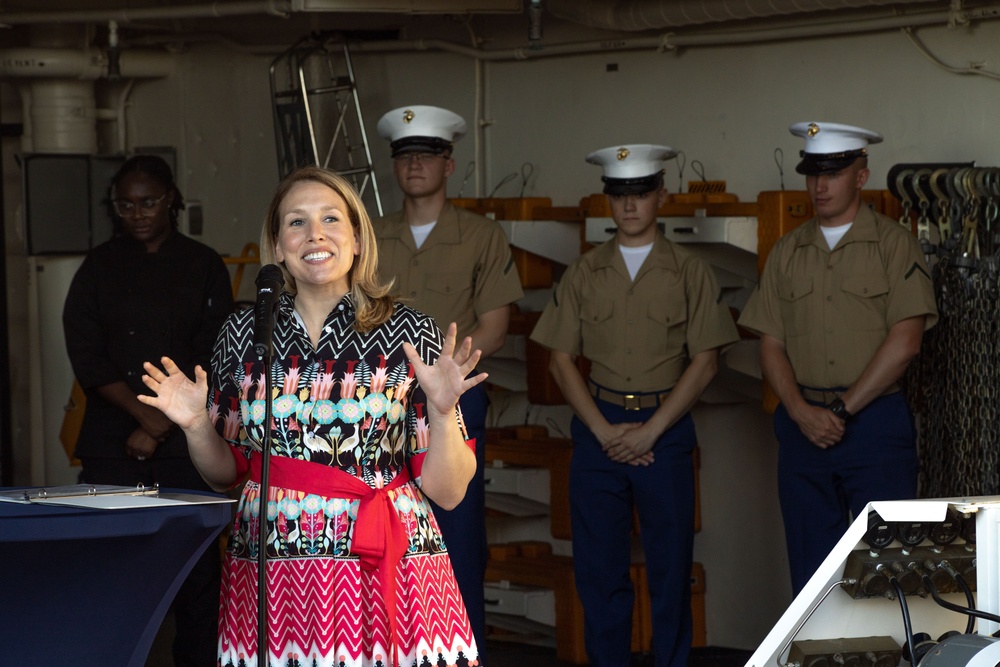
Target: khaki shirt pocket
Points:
(667, 333)
(796, 306)
(864, 301)
(448, 287)
(598, 332)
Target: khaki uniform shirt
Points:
(833, 309)
(638, 335)
(463, 269)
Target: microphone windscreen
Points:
(270, 276)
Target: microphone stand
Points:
(265, 464)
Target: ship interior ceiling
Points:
(235, 93)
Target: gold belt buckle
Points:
(632, 402)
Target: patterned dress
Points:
(357, 570)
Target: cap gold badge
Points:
(813, 129)
(408, 116)
(622, 153)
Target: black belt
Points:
(628, 401)
(825, 396)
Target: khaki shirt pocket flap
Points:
(446, 283)
(596, 312)
(668, 313)
(793, 290)
(866, 285)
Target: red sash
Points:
(379, 536)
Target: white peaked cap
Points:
(421, 127)
(831, 147)
(631, 160)
(631, 168)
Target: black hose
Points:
(971, 611)
(907, 626)
(969, 600)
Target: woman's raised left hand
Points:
(446, 380)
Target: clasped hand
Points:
(628, 442)
(822, 427)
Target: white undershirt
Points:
(834, 234)
(634, 257)
(420, 232)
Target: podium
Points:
(90, 587)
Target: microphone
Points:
(269, 282)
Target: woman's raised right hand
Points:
(180, 399)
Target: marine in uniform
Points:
(647, 315)
(456, 266)
(841, 308)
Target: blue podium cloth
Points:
(89, 587)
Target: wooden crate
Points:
(556, 574)
(540, 452)
(542, 387)
(534, 270)
(504, 208)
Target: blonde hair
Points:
(372, 300)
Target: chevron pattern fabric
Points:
(330, 614)
(354, 404)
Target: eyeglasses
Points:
(126, 207)
(419, 158)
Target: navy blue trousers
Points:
(822, 490)
(464, 528)
(602, 496)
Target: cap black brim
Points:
(814, 164)
(632, 186)
(435, 145)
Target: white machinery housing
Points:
(879, 584)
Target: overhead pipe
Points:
(57, 92)
(751, 9)
(280, 8)
(672, 41)
(82, 64)
(636, 15)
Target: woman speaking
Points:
(365, 427)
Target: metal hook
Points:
(968, 177)
(923, 221)
(904, 195)
(943, 203)
(980, 182)
(933, 183)
(995, 181)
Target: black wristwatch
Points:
(837, 407)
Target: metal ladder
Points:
(317, 114)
